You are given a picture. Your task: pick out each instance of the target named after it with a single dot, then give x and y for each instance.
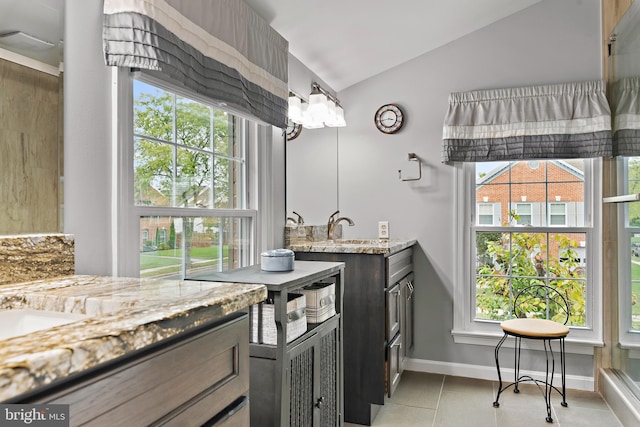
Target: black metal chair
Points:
(527, 326)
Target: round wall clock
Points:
(293, 130)
(389, 118)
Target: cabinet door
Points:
(315, 388)
(329, 402)
(406, 327)
(393, 311)
(303, 381)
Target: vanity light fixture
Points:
(322, 109)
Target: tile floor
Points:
(424, 400)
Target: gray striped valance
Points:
(221, 49)
(626, 117)
(560, 121)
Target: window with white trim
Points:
(557, 213)
(485, 213)
(629, 255)
(528, 247)
(190, 182)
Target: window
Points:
(190, 182)
(485, 214)
(557, 214)
(522, 214)
(629, 255)
(527, 246)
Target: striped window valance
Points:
(626, 117)
(221, 49)
(559, 121)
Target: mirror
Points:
(312, 175)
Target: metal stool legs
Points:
(548, 381)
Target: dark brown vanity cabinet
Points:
(199, 377)
(377, 326)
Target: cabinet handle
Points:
(320, 402)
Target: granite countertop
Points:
(355, 246)
(123, 315)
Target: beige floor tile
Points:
(574, 416)
(392, 415)
(418, 389)
(429, 400)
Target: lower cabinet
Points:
(199, 378)
(377, 326)
(313, 380)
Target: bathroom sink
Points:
(18, 322)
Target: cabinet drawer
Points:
(199, 376)
(399, 265)
(394, 364)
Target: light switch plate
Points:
(383, 229)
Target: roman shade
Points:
(221, 49)
(626, 117)
(558, 121)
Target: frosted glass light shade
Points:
(340, 117)
(295, 109)
(308, 122)
(332, 117)
(317, 106)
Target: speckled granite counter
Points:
(26, 257)
(355, 246)
(124, 314)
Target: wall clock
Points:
(389, 118)
(293, 130)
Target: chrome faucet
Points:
(299, 221)
(333, 221)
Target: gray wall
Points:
(550, 42)
(87, 134)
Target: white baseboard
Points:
(489, 373)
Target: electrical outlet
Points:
(383, 229)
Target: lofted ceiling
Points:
(342, 41)
(346, 41)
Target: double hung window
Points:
(534, 239)
(629, 255)
(190, 183)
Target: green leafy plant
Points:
(508, 262)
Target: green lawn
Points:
(171, 259)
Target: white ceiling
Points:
(39, 18)
(342, 41)
(346, 41)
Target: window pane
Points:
(508, 262)
(193, 122)
(224, 134)
(633, 187)
(204, 167)
(193, 179)
(153, 173)
(174, 245)
(152, 111)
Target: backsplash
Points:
(308, 233)
(36, 256)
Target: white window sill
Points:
(491, 339)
